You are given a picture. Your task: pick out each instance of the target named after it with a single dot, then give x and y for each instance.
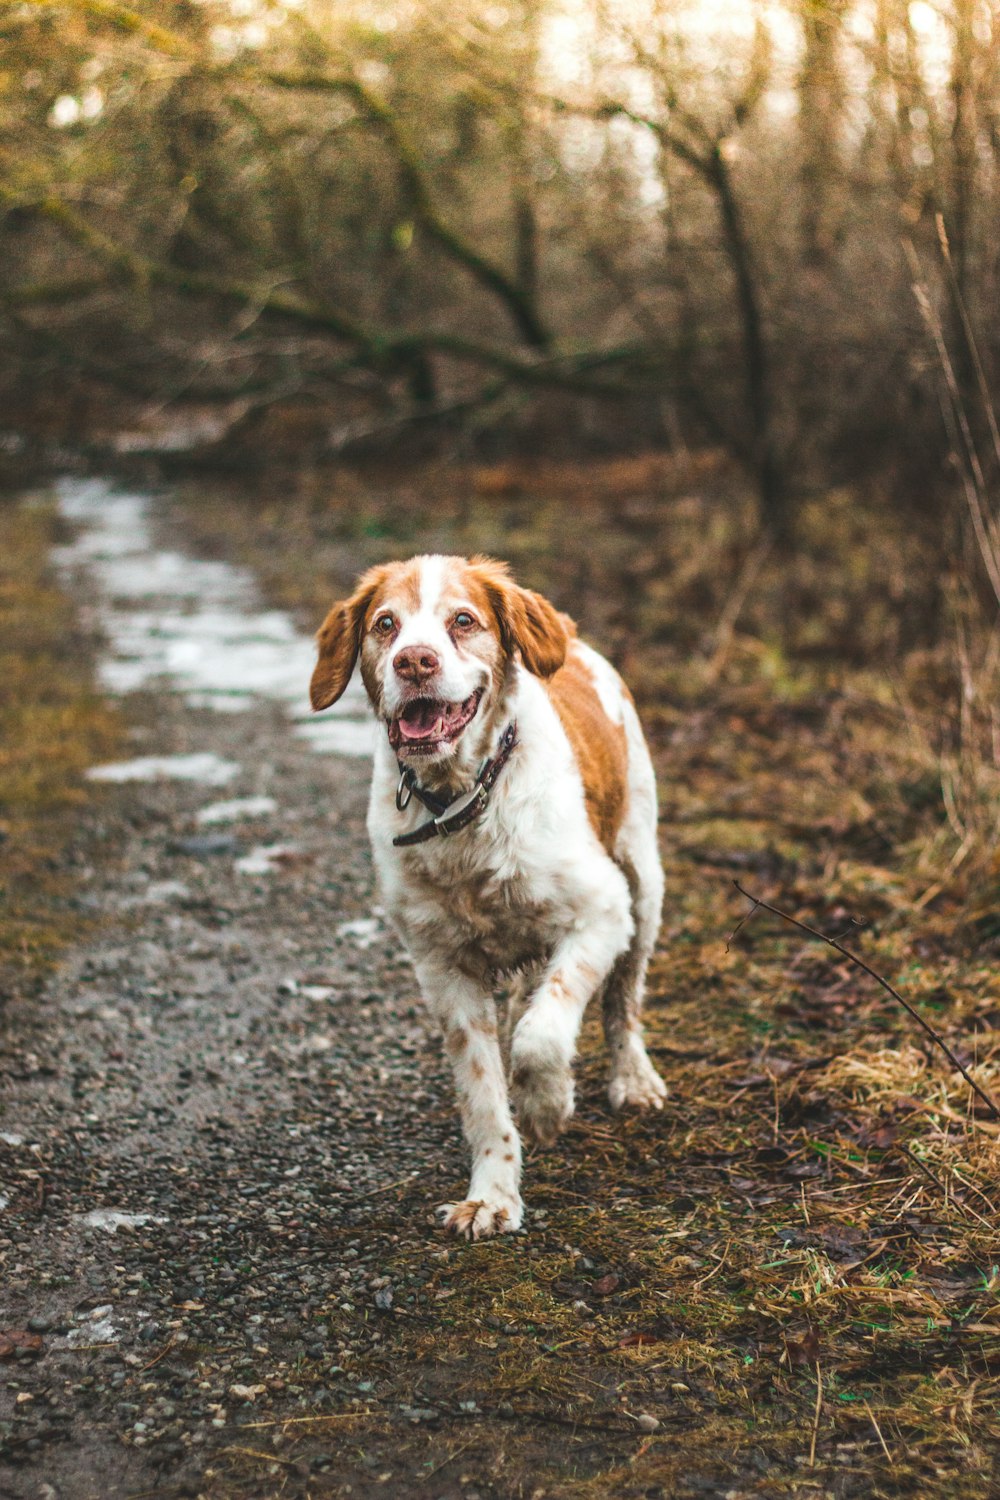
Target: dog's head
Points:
(436, 637)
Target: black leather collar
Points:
(452, 817)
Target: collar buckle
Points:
(463, 811)
(452, 817)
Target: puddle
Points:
(192, 625)
(340, 736)
(363, 932)
(157, 892)
(263, 859)
(317, 992)
(94, 1328)
(113, 1219)
(236, 809)
(209, 769)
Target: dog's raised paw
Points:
(543, 1099)
(477, 1219)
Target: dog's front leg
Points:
(467, 1016)
(544, 1040)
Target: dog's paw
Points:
(543, 1101)
(636, 1083)
(478, 1219)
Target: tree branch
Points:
(376, 350)
(515, 297)
(125, 19)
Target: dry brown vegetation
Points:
(53, 725)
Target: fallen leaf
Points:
(605, 1285)
(803, 1351)
(633, 1340)
(879, 1136)
(18, 1340)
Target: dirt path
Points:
(218, 1087)
(225, 1124)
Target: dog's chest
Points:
(487, 920)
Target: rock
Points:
(18, 1343)
(206, 845)
(246, 1392)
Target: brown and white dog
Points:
(546, 881)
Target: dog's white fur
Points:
(527, 897)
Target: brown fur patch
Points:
(455, 1042)
(598, 744)
(476, 1068)
(399, 589)
(344, 632)
(560, 988)
(526, 621)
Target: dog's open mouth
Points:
(425, 724)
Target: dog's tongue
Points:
(421, 720)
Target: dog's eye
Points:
(463, 620)
(384, 625)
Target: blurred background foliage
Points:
(534, 226)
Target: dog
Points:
(512, 821)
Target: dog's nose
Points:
(416, 663)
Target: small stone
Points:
(646, 1422)
(204, 846)
(247, 1392)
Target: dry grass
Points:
(52, 726)
(795, 1269)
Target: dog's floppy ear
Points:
(528, 622)
(339, 641)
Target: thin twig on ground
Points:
(878, 1431)
(935, 1036)
(816, 1416)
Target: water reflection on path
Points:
(184, 624)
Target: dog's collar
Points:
(452, 817)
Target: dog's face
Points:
(436, 637)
